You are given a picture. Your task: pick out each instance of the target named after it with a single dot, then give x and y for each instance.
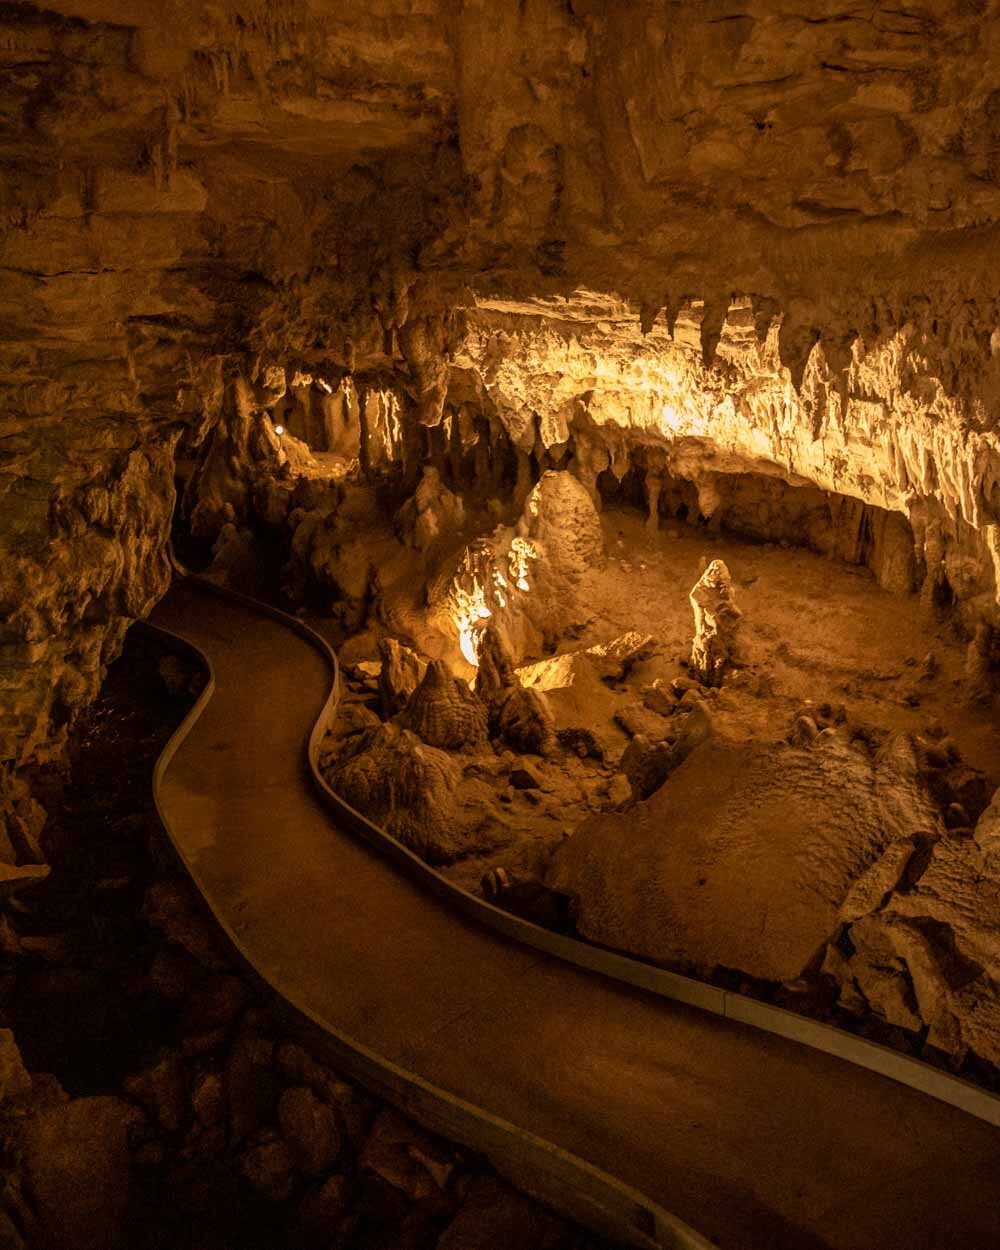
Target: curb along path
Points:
(613, 1103)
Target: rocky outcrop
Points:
(920, 949)
(517, 715)
(750, 871)
(79, 565)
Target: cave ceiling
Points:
(839, 158)
(535, 203)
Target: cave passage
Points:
(614, 387)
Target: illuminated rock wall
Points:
(880, 427)
(192, 192)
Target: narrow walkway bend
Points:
(757, 1142)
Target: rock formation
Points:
(413, 790)
(398, 297)
(516, 715)
(742, 859)
(716, 623)
(401, 673)
(444, 712)
(921, 941)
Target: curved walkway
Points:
(756, 1141)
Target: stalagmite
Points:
(654, 488)
(444, 712)
(716, 622)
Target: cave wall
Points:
(884, 429)
(192, 194)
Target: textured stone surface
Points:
(195, 197)
(444, 712)
(716, 623)
(415, 791)
(77, 1167)
(743, 857)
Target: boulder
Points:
(744, 856)
(310, 1130)
(352, 1107)
(268, 1166)
(251, 1086)
(77, 1172)
(405, 1157)
(208, 1097)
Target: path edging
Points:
(563, 1180)
(863, 1053)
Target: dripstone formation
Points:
(495, 339)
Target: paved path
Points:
(759, 1143)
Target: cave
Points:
(500, 665)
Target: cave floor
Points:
(814, 630)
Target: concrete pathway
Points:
(759, 1143)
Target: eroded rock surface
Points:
(414, 791)
(743, 857)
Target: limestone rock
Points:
(433, 513)
(637, 718)
(619, 790)
(414, 791)
(716, 621)
(648, 762)
(352, 1107)
(744, 856)
(172, 907)
(77, 1172)
(880, 976)
(988, 832)
(560, 519)
(404, 1156)
(208, 1097)
(251, 1088)
(401, 673)
(517, 715)
(268, 1166)
(161, 1088)
(444, 712)
(310, 1130)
